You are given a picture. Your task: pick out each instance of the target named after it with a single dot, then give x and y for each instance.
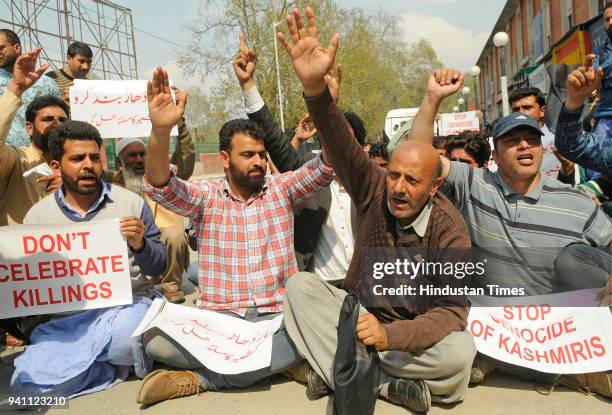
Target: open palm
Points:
(25, 73)
(163, 111)
(311, 62)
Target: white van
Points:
(400, 116)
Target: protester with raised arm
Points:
(425, 351)
(527, 225)
(244, 224)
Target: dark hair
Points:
(70, 130)
(240, 125)
(474, 143)
(379, 149)
(10, 36)
(607, 6)
(356, 124)
(521, 93)
(79, 48)
(439, 141)
(45, 101)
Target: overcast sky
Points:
(457, 29)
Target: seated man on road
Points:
(86, 351)
(244, 224)
(518, 216)
(424, 349)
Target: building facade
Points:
(541, 33)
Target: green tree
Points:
(380, 71)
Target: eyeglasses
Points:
(49, 118)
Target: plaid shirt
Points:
(245, 249)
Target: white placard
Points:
(55, 268)
(222, 343)
(459, 121)
(118, 109)
(565, 340)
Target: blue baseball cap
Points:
(515, 120)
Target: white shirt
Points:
(550, 164)
(336, 243)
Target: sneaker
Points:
(299, 372)
(411, 393)
(317, 388)
(160, 385)
(587, 383)
(175, 296)
(481, 368)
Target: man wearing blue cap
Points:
(530, 227)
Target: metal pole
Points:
(280, 93)
(504, 85)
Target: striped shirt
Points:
(62, 79)
(521, 235)
(245, 249)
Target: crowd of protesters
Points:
(287, 230)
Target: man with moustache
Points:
(10, 50)
(18, 194)
(244, 224)
(95, 346)
(131, 163)
(424, 349)
(78, 65)
(529, 227)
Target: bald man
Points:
(424, 349)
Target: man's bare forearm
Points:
(157, 168)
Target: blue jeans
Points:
(166, 350)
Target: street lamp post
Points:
(278, 82)
(500, 40)
(475, 72)
(465, 91)
(460, 102)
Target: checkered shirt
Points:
(245, 249)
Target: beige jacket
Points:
(17, 195)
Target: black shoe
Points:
(410, 393)
(317, 388)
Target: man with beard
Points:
(245, 241)
(131, 163)
(18, 194)
(96, 346)
(425, 352)
(77, 66)
(10, 50)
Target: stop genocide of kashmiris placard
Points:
(56, 268)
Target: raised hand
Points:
(25, 73)
(333, 78)
(303, 132)
(163, 111)
(444, 83)
(244, 65)
(581, 82)
(310, 61)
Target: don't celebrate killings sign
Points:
(56, 268)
